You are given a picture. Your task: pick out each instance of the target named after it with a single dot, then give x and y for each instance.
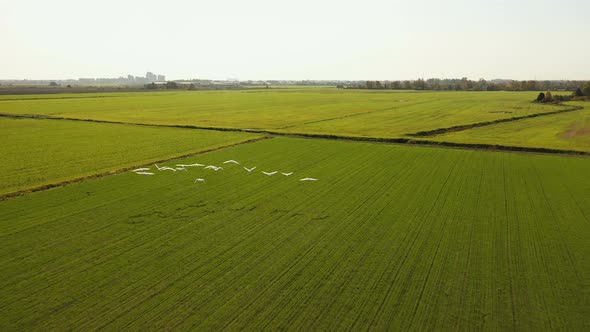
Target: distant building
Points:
(130, 78)
(161, 78)
(151, 77)
(85, 80)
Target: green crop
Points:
(389, 238)
(41, 152)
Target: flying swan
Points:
(308, 179)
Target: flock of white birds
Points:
(183, 167)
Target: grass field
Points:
(39, 152)
(389, 238)
(441, 110)
(319, 110)
(567, 131)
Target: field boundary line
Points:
(440, 131)
(384, 140)
(68, 91)
(122, 170)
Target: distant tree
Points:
(464, 84)
(481, 85)
(378, 85)
(548, 97)
(53, 83)
(151, 86)
(578, 93)
(171, 85)
(531, 85)
(68, 86)
(586, 89)
(541, 97)
(191, 86)
(419, 84)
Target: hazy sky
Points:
(254, 39)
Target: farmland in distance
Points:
(389, 237)
(359, 113)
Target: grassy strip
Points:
(121, 170)
(54, 91)
(499, 147)
(440, 131)
(60, 98)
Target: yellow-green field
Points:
(566, 131)
(321, 110)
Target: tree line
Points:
(465, 84)
(581, 93)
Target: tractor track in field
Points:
(413, 139)
(122, 170)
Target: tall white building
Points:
(151, 77)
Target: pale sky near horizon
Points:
(265, 39)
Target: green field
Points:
(40, 152)
(567, 131)
(320, 110)
(388, 238)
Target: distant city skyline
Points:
(266, 40)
